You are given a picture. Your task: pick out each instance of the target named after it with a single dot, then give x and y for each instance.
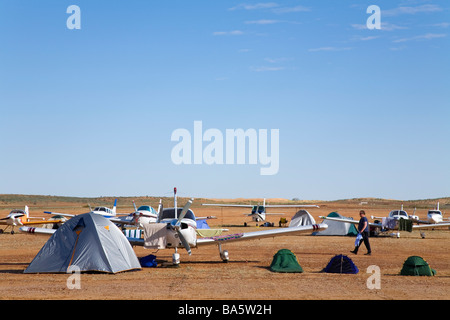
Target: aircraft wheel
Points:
(176, 258)
(224, 255)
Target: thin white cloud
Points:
(277, 60)
(291, 9)
(425, 8)
(386, 26)
(427, 36)
(329, 49)
(365, 38)
(441, 25)
(262, 21)
(272, 6)
(256, 6)
(228, 33)
(265, 68)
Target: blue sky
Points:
(90, 112)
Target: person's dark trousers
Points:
(365, 239)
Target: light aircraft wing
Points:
(30, 223)
(261, 234)
(43, 231)
(291, 206)
(228, 205)
(431, 225)
(205, 218)
(60, 214)
(274, 213)
(121, 220)
(117, 219)
(349, 221)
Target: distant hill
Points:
(42, 201)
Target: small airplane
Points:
(143, 214)
(104, 211)
(391, 223)
(433, 216)
(396, 215)
(176, 228)
(258, 212)
(19, 217)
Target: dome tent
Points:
(341, 264)
(88, 241)
(416, 266)
(285, 261)
(302, 218)
(336, 228)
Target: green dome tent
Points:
(416, 266)
(285, 261)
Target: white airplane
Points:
(396, 215)
(104, 211)
(176, 228)
(19, 217)
(258, 212)
(143, 214)
(433, 216)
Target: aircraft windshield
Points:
(400, 213)
(434, 212)
(169, 213)
(258, 209)
(144, 208)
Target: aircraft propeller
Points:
(176, 225)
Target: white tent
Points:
(302, 218)
(336, 228)
(89, 241)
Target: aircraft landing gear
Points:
(176, 258)
(223, 254)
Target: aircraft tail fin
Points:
(160, 209)
(27, 212)
(115, 206)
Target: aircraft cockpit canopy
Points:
(169, 213)
(398, 213)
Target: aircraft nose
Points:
(434, 219)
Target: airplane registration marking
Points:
(227, 237)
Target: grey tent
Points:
(302, 218)
(88, 241)
(336, 228)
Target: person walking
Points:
(363, 234)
